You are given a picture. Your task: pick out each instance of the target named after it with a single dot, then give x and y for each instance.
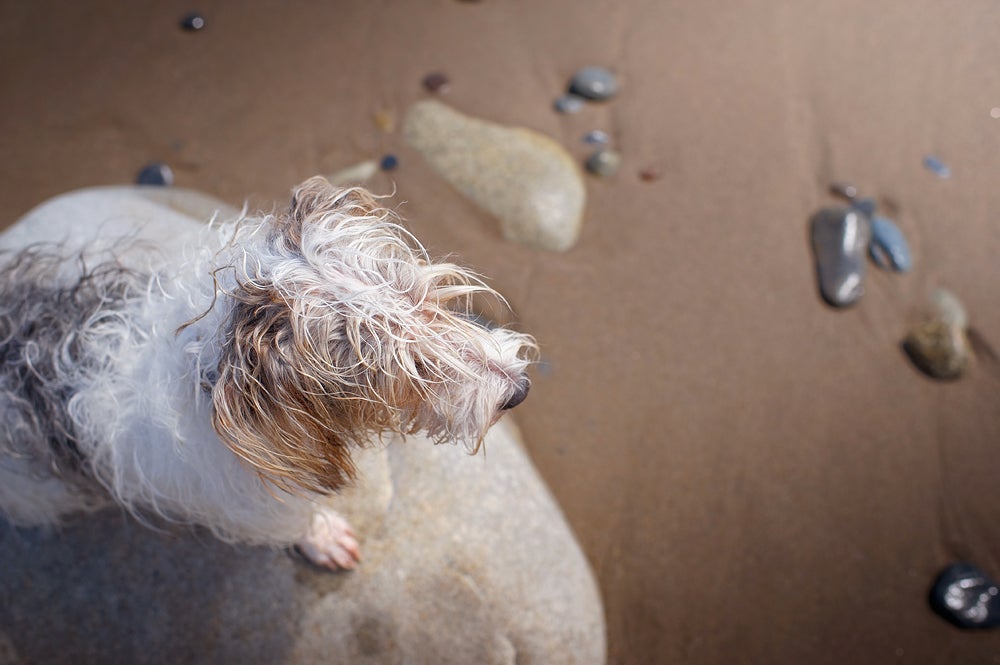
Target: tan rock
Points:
(525, 179)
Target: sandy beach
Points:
(755, 476)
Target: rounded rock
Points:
(938, 349)
(949, 308)
(594, 83)
(389, 163)
(597, 137)
(840, 238)
(889, 249)
(155, 173)
(604, 163)
(569, 103)
(193, 22)
(524, 178)
(845, 190)
(436, 82)
(964, 595)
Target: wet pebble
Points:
(436, 82)
(966, 596)
(888, 248)
(193, 22)
(866, 207)
(604, 163)
(594, 83)
(845, 190)
(389, 163)
(569, 103)
(937, 167)
(155, 173)
(938, 349)
(840, 238)
(524, 178)
(597, 137)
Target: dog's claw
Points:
(331, 543)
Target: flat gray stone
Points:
(525, 179)
(595, 83)
(840, 238)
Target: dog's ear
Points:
(267, 409)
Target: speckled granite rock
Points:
(938, 349)
(525, 179)
(465, 559)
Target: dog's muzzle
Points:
(519, 394)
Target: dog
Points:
(222, 374)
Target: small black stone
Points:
(193, 22)
(436, 82)
(156, 173)
(389, 163)
(965, 596)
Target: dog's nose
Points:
(519, 394)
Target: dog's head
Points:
(340, 328)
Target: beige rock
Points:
(525, 179)
(939, 349)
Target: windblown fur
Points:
(227, 384)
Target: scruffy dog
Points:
(223, 377)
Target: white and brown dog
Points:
(221, 374)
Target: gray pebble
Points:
(844, 189)
(604, 163)
(840, 238)
(156, 173)
(594, 83)
(888, 248)
(569, 103)
(966, 596)
(597, 137)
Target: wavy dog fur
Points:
(226, 383)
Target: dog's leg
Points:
(330, 542)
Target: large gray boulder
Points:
(465, 560)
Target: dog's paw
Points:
(330, 542)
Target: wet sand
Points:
(755, 476)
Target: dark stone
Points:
(649, 174)
(597, 137)
(436, 82)
(155, 173)
(840, 238)
(966, 596)
(845, 190)
(604, 163)
(193, 22)
(389, 163)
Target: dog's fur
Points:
(226, 383)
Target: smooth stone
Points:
(949, 308)
(525, 179)
(193, 22)
(596, 137)
(354, 175)
(569, 103)
(156, 173)
(389, 163)
(865, 206)
(938, 349)
(966, 596)
(604, 163)
(937, 167)
(650, 174)
(888, 247)
(845, 190)
(594, 83)
(840, 238)
(436, 82)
